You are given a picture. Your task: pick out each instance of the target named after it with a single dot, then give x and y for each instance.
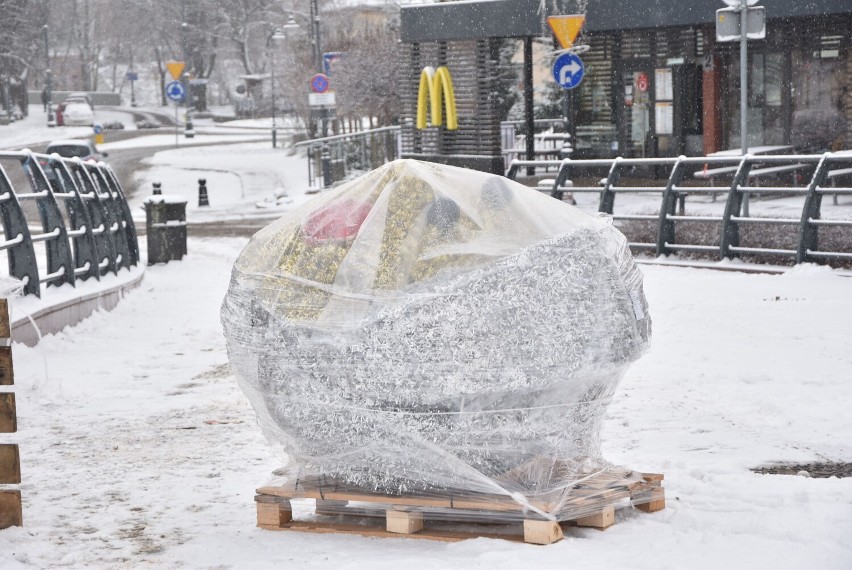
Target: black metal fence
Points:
(76, 210)
(331, 159)
(732, 232)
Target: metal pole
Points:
(743, 76)
(272, 65)
(132, 81)
(528, 103)
(315, 32)
(51, 120)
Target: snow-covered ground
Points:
(139, 450)
(33, 129)
(243, 181)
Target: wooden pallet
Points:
(452, 516)
(10, 460)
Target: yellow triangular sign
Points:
(175, 68)
(566, 28)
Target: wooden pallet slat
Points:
(11, 512)
(8, 416)
(5, 329)
(7, 375)
(10, 464)
(591, 504)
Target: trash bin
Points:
(165, 225)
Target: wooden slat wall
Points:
(10, 462)
(472, 64)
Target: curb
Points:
(51, 320)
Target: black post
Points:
(158, 188)
(325, 158)
(528, 102)
(203, 199)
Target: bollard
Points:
(325, 158)
(189, 132)
(203, 200)
(158, 188)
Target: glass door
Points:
(636, 114)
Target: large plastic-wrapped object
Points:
(426, 328)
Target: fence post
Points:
(325, 158)
(85, 248)
(10, 460)
(730, 228)
(607, 201)
(22, 259)
(129, 227)
(809, 233)
(59, 255)
(562, 176)
(666, 229)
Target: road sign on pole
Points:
(729, 24)
(568, 70)
(327, 99)
(175, 91)
(329, 61)
(566, 28)
(175, 68)
(319, 83)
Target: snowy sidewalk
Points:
(139, 450)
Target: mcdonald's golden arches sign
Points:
(435, 85)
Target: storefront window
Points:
(818, 92)
(765, 100)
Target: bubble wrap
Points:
(426, 328)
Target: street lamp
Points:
(275, 36)
(51, 119)
(314, 21)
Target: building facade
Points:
(659, 84)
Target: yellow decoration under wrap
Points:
(429, 328)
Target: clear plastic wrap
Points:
(428, 329)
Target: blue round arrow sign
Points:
(568, 70)
(175, 91)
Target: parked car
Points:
(70, 148)
(80, 96)
(148, 124)
(78, 113)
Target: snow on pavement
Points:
(243, 181)
(139, 450)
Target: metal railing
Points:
(333, 158)
(76, 209)
(811, 177)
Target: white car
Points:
(78, 113)
(70, 148)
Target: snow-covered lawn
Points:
(243, 181)
(139, 450)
